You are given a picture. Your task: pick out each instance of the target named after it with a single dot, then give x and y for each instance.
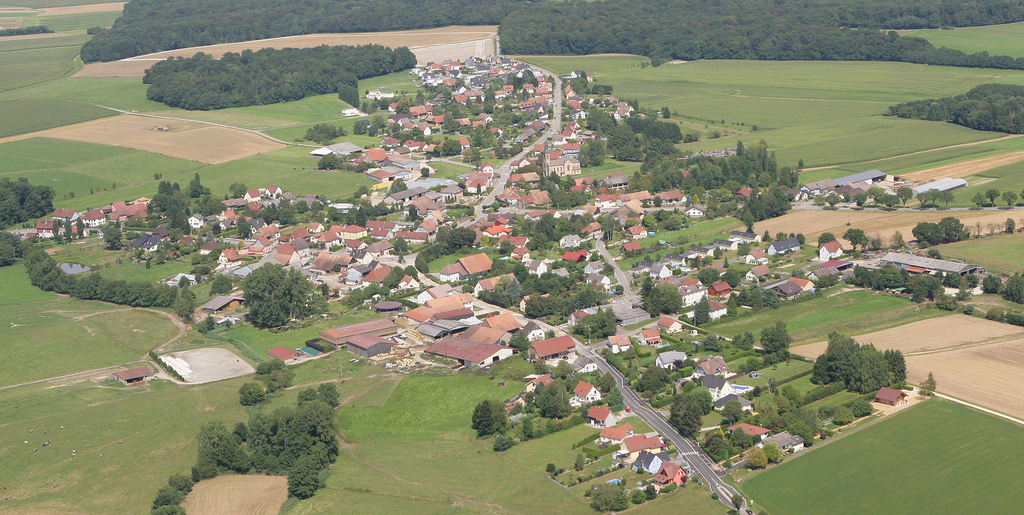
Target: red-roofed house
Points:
(584, 393)
(650, 336)
(558, 347)
(830, 250)
(670, 325)
(670, 473)
(283, 353)
(615, 435)
(756, 431)
(630, 247)
(719, 289)
(634, 444)
(601, 416)
(576, 257)
(533, 382)
(637, 232)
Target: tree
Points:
(776, 338)
(1010, 198)
(929, 384)
(221, 285)
(1013, 290)
(991, 284)
(489, 418)
(609, 497)
(927, 233)
(638, 496)
(905, 194)
(168, 496)
(502, 443)
(856, 237)
(979, 199)
(686, 417)
(168, 510)
(329, 162)
(251, 394)
(1011, 226)
(185, 304)
(826, 237)
(897, 365)
(992, 194)
(773, 453)
(275, 296)
(733, 412)
(112, 237)
(528, 428)
(701, 312)
(757, 458)
(303, 478)
(842, 416)
(580, 462)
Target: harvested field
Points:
(213, 364)
(936, 333)
(429, 45)
(186, 140)
(965, 168)
(237, 495)
(82, 9)
(814, 222)
(987, 375)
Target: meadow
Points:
(850, 313)
(995, 39)
(24, 116)
(261, 341)
(74, 22)
(1000, 253)
(934, 458)
(31, 61)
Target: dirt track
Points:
(238, 495)
(455, 42)
(935, 333)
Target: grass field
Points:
(32, 61)
(924, 460)
(694, 234)
(1000, 253)
(120, 93)
(778, 372)
(35, 115)
(75, 22)
(995, 39)
(261, 341)
(850, 313)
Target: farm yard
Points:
(238, 495)
(934, 452)
(944, 333)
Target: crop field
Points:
(927, 335)
(30, 61)
(238, 495)
(850, 313)
(999, 253)
(902, 472)
(974, 373)
(995, 39)
(143, 435)
(74, 22)
(35, 115)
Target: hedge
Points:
(795, 377)
(588, 439)
(597, 453)
(744, 354)
(161, 364)
(664, 401)
(824, 391)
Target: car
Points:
(628, 410)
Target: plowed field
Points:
(237, 495)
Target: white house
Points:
(585, 393)
(784, 246)
(695, 212)
(830, 250)
(669, 325)
(718, 387)
(534, 332)
(756, 257)
(785, 441)
(350, 111)
(661, 271)
(196, 221)
(711, 367)
(569, 241)
(668, 359)
(584, 366)
(692, 294)
(758, 272)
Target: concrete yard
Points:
(213, 364)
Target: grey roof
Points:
(645, 459)
(741, 234)
(345, 148)
(789, 288)
(785, 245)
(74, 268)
(946, 184)
(671, 356)
(731, 397)
(219, 302)
(870, 175)
(580, 363)
(710, 381)
(628, 314)
(905, 260)
(562, 272)
(784, 439)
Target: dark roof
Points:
(220, 301)
(787, 244)
(365, 341)
(463, 350)
(710, 381)
(889, 394)
(133, 374)
(731, 397)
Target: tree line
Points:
(269, 75)
(45, 274)
(20, 201)
(148, 26)
(989, 107)
(24, 31)
(760, 29)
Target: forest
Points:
(269, 76)
(21, 201)
(989, 107)
(154, 25)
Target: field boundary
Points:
(959, 145)
(980, 408)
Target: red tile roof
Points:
(750, 429)
(281, 352)
(617, 432)
(553, 346)
(599, 413)
(583, 389)
(642, 442)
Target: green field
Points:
(261, 341)
(118, 92)
(35, 115)
(995, 39)
(74, 22)
(778, 372)
(1001, 253)
(850, 313)
(32, 61)
(934, 458)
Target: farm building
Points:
(389, 306)
(222, 302)
(367, 345)
(469, 352)
(920, 264)
(282, 353)
(559, 347)
(132, 376)
(631, 316)
(890, 396)
(340, 149)
(869, 176)
(941, 185)
(340, 335)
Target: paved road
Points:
(687, 449)
(621, 276)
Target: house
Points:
(758, 432)
(618, 343)
(720, 289)
(670, 473)
(717, 310)
(533, 381)
(672, 360)
(634, 445)
(133, 375)
(584, 366)
(594, 267)
(584, 393)
(229, 257)
(558, 347)
(661, 271)
(196, 221)
(758, 272)
(785, 441)
(575, 257)
(756, 256)
(745, 405)
(538, 267)
(718, 386)
(830, 250)
(534, 332)
(890, 396)
(465, 267)
(368, 345)
(569, 241)
(695, 212)
(745, 237)
(650, 462)
(408, 282)
(711, 367)
(504, 322)
(636, 232)
(253, 195)
(630, 247)
(631, 316)
(437, 292)
(94, 218)
(521, 254)
(784, 247)
(615, 435)
(601, 416)
(692, 294)
(282, 353)
(649, 337)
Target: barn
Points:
(221, 302)
(469, 352)
(281, 353)
(890, 396)
(133, 376)
(368, 345)
(339, 335)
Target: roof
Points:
(713, 382)
(361, 327)
(504, 322)
(617, 432)
(761, 270)
(643, 442)
(784, 439)
(464, 350)
(732, 397)
(650, 334)
(889, 394)
(481, 334)
(448, 303)
(583, 389)
(553, 346)
(665, 321)
(789, 243)
(710, 365)
(133, 374)
(904, 260)
(599, 413)
(476, 263)
(365, 341)
(671, 356)
(870, 175)
(750, 429)
(281, 352)
(220, 301)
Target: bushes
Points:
(824, 391)
(44, 273)
(170, 496)
(588, 439)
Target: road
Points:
(620, 276)
(687, 449)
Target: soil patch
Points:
(212, 364)
(987, 375)
(965, 168)
(934, 333)
(237, 495)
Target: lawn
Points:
(125, 93)
(850, 313)
(701, 231)
(441, 262)
(35, 115)
(261, 340)
(936, 453)
(554, 448)
(1001, 253)
(32, 61)
(835, 400)
(779, 372)
(422, 409)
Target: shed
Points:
(890, 396)
(222, 302)
(389, 306)
(340, 335)
(133, 375)
(281, 353)
(368, 345)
